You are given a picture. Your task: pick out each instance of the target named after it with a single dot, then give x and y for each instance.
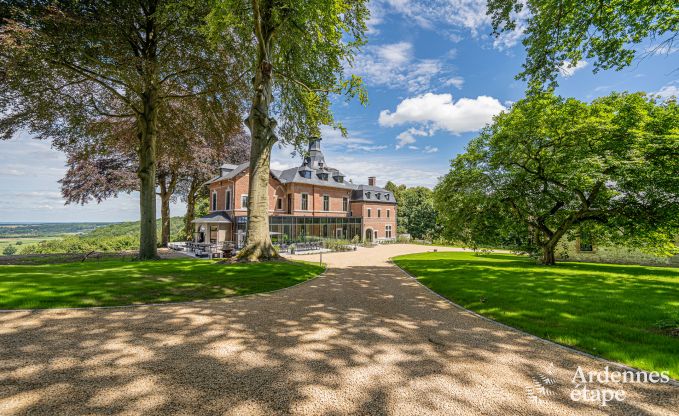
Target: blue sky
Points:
(434, 77)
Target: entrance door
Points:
(369, 234)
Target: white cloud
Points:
(443, 15)
(567, 69)
(409, 169)
(456, 82)
(430, 149)
(668, 91)
(439, 111)
(395, 66)
(408, 137)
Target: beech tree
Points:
(193, 143)
(552, 165)
(296, 53)
(66, 64)
(561, 33)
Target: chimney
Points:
(372, 181)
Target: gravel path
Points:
(362, 339)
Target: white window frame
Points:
(370, 213)
(227, 200)
(326, 197)
(345, 204)
(301, 204)
(387, 231)
(244, 199)
(213, 201)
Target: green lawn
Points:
(4, 242)
(624, 313)
(124, 282)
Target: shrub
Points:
(10, 250)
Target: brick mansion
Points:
(310, 201)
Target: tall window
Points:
(345, 204)
(369, 213)
(586, 243)
(244, 201)
(227, 205)
(279, 203)
(305, 202)
(388, 213)
(214, 201)
(326, 203)
(379, 213)
(387, 231)
(289, 203)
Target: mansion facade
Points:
(309, 201)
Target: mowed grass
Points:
(628, 314)
(125, 282)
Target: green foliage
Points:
(416, 214)
(124, 282)
(110, 238)
(10, 250)
(46, 230)
(307, 45)
(560, 32)
(551, 165)
(623, 313)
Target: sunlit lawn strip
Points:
(124, 282)
(624, 313)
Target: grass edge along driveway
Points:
(628, 314)
(125, 282)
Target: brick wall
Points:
(378, 219)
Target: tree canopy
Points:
(416, 214)
(295, 52)
(561, 33)
(551, 165)
(68, 64)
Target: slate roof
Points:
(231, 174)
(215, 217)
(369, 193)
(311, 173)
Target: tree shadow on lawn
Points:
(608, 310)
(123, 283)
(363, 340)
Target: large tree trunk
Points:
(258, 242)
(190, 209)
(166, 191)
(164, 213)
(147, 176)
(548, 258)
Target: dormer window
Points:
(378, 195)
(386, 196)
(367, 195)
(339, 179)
(323, 176)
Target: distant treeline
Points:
(105, 238)
(48, 229)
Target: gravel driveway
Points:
(362, 339)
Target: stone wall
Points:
(569, 250)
